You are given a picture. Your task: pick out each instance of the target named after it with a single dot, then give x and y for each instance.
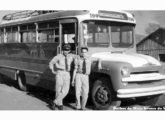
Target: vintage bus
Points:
(30, 39)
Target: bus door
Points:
(68, 33)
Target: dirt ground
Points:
(11, 98)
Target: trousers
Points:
(82, 90)
(62, 86)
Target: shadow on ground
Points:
(44, 95)
(48, 96)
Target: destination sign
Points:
(110, 14)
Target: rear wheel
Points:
(1, 78)
(103, 96)
(21, 81)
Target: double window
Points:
(12, 34)
(28, 33)
(28, 37)
(101, 33)
(48, 32)
(1, 35)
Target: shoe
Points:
(78, 109)
(60, 107)
(53, 106)
(83, 109)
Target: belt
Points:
(81, 72)
(63, 70)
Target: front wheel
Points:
(103, 96)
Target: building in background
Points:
(153, 44)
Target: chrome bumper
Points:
(144, 77)
(140, 92)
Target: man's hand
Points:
(54, 72)
(73, 83)
(73, 78)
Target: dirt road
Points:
(11, 98)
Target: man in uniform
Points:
(61, 65)
(82, 68)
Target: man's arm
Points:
(74, 71)
(73, 78)
(52, 63)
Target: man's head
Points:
(66, 49)
(84, 51)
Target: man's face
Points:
(66, 52)
(84, 52)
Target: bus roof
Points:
(32, 16)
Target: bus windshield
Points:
(100, 33)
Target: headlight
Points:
(125, 71)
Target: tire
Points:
(149, 101)
(21, 81)
(103, 96)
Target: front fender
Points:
(112, 69)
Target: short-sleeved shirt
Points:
(82, 65)
(61, 62)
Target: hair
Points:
(66, 47)
(82, 48)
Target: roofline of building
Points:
(145, 38)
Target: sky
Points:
(143, 18)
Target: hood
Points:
(136, 60)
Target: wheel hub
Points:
(102, 95)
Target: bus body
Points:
(29, 41)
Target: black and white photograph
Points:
(82, 60)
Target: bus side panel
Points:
(31, 58)
(46, 80)
(8, 73)
(45, 52)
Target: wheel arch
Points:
(21, 79)
(111, 99)
(97, 75)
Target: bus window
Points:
(29, 37)
(122, 36)
(56, 35)
(2, 35)
(48, 32)
(69, 35)
(12, 35)
(46, 36)
(96, 34)
(69, 38)
(28, 33)
(49, 36)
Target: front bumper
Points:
(140, 92)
